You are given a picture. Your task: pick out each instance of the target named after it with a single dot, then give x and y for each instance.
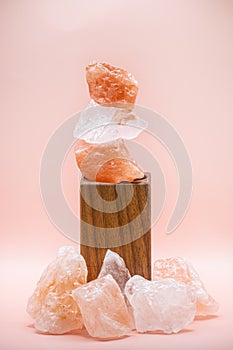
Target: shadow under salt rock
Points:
(84, 334)
(207, 317)
(36, 331)
(31, 325)
(185, 330)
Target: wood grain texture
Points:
(116, 217)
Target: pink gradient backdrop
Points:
(181, 52)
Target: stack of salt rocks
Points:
(115, 303)
(104, 126)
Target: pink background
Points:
(181, 52)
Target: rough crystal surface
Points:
(99, 124)
(114, 265)
(109, 85)
(108, 162)
(52, 305)
(100, 151)
(166, 305)
(103, 308)
(181, 270)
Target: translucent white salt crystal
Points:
(114, 265)
(182, 270)
(99, 124)
(166, 305)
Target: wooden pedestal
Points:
(116, 217)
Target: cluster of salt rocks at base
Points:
(116, 303)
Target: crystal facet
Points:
(99, 124)
(52, 305)
(181, 270)
(114, 265)
(110, 85)
(103, 308)
(107, 162)
(166, 305)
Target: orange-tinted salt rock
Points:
(103, 308)
(82, 149)
(109, 85)
(107, 162)
(181, 270)
(52, 305)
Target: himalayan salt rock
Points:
(114, 265)
(165, 305)
(103, 308)
(108, 162)
(52, 305)
(100, 124)
(182, 270)
(82, 149)
(109, 85)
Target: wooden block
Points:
(116, 217)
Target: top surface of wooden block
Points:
(145, 181)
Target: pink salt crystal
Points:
(109, 85)
(103, 308)
(182, 270)
(114, 265)
(165, 305)
(52, 305)
(106, 162)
